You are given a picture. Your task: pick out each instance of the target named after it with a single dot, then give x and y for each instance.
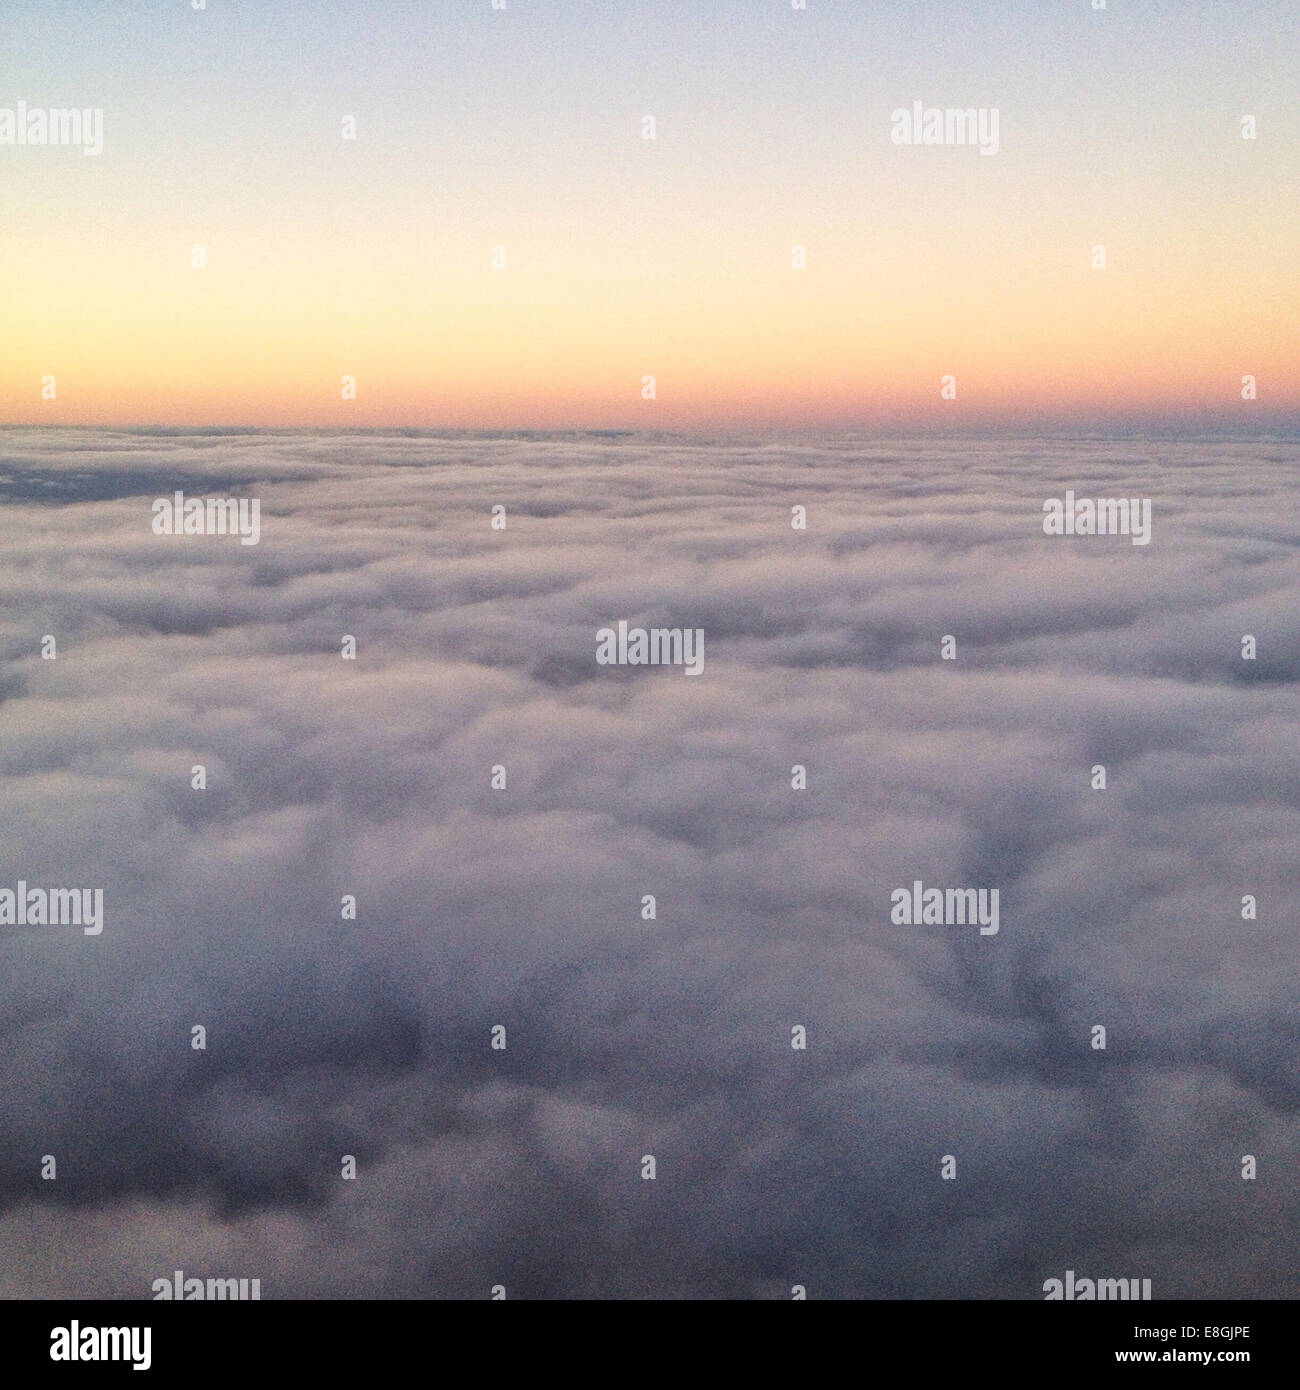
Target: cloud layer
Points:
(522, 907)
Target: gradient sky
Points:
(673, 257)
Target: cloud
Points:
(522, 907)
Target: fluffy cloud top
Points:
(522, 906)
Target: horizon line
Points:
(1285, 426)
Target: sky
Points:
(625, 257)
(521, 905)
